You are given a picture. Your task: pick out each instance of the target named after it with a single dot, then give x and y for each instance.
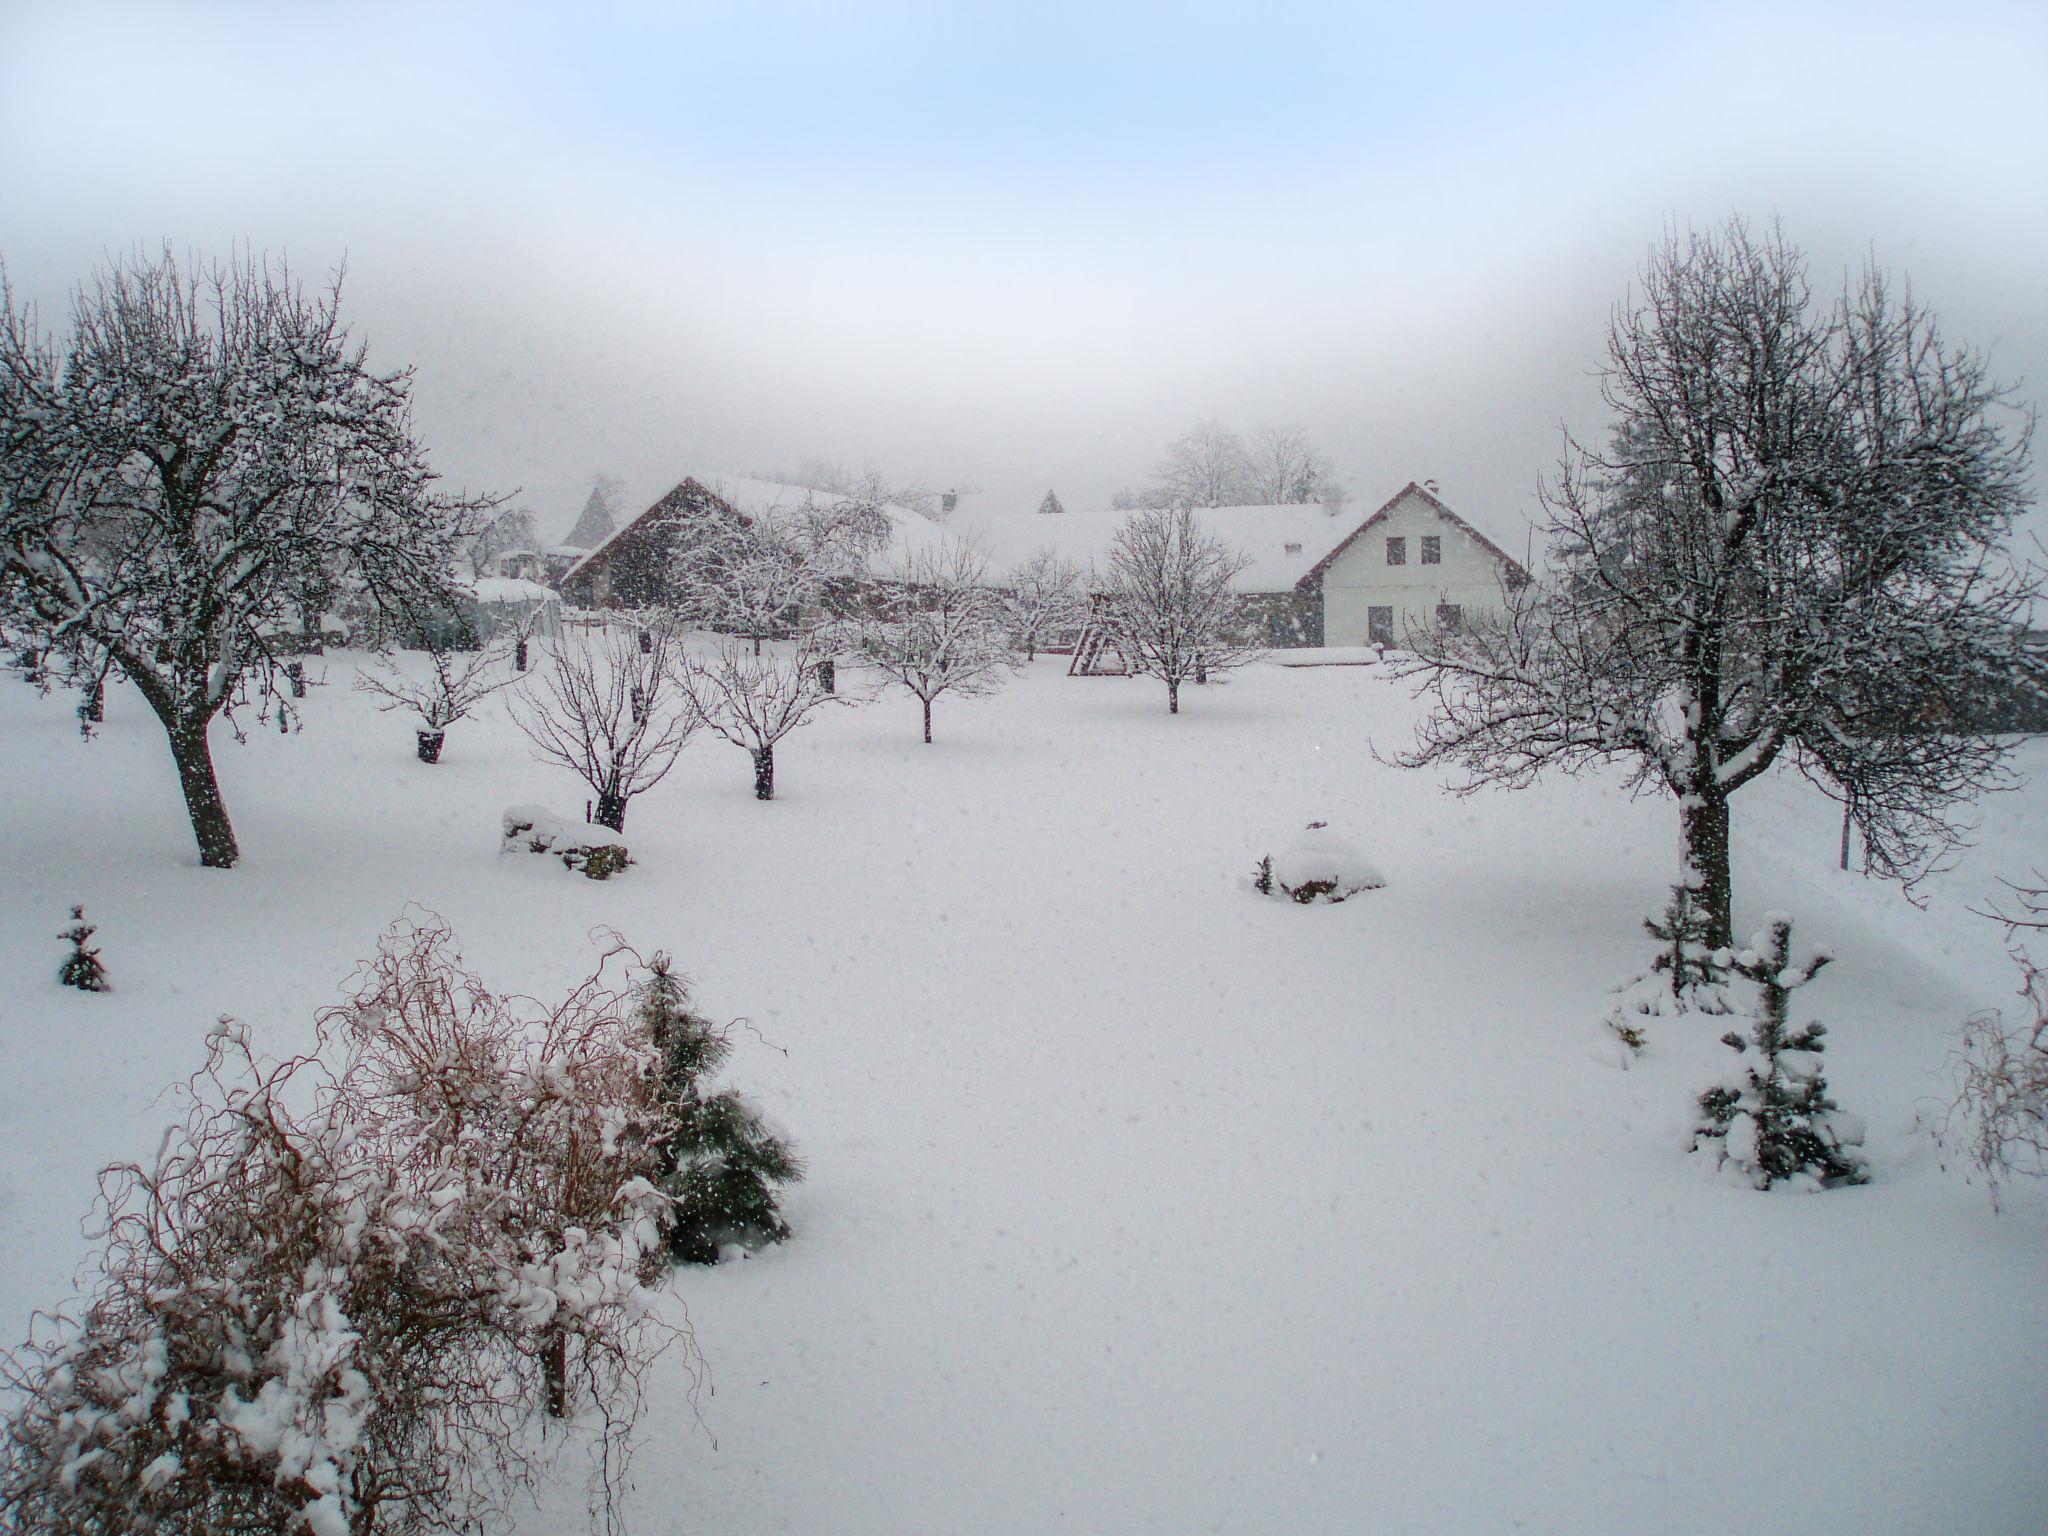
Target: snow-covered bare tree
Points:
(746, 580)
(607, 707)
(1167, 602)
(196, 466)
(346, 1289)
(1282, 467)
(454, 684)
(1206, 466)
(1044, 598)
(942, 628)
(1793, 547)
(1999, 1117)
(753, 701)
(508, 531)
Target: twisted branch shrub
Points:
(340, 1294)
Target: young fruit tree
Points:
(607, 707)
(1045, 600)
(455, 684)
(716, 1159)
(942, 629)
(1792, 548)
(1999, 1117)
(348, 1289)
(203, 458)
(754, 701)
(1167, 603)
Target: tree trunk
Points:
(519, 656)
(554, 1371)
(927, 722)
(1703, 823)
(430, 746)
(193, 754)
(1173, 696)
(764, 773)
(94, 708)
(611, 810)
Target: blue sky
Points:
(1020, 245)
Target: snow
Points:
(510, 589)
(1134, 1204)
(1318, 855)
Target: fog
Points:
(1020, 250)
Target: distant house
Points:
(632, 568)
(1312, 577)
(1413, 564)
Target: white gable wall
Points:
(1360, 579)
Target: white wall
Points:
(1360, 578)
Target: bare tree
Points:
(1167, 601)
(1045, 598)
(1206, 466)
(503, 534)
(607, 707)
(345, 1289)
(1999, 1116)
(755, 701)
(455, 684)
(1792, 548)
(1282, 467)
(197, 466)
(942, 630)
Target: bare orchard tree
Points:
(1792, 548)
(502, 535)
(1206, 466)
(196, 465)
(942, 628)
(754, 701)
(1167, 600)
(1044, 599)
(749, 582)
(1282, 467)
(607, 707)
(456, 682)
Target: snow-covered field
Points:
(1137, 1203)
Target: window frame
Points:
(1432, 549)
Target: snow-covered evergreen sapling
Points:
(82, 968)
(1686, 957)
(717, 1161)
(1773, 1120)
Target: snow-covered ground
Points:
(1137, 1203)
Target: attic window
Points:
(1432, 549)
(1293, 549)
(1397, 551)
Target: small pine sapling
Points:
(717, 1160)
(82, 968)
(1686, 957)
(1773, 1121)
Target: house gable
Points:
(1512, 569)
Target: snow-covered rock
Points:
(589, 850)
(1319, 865)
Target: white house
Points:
(1411, 564)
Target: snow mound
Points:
(1318, 865)
(592, 851)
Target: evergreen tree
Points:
(1774, 1121)
(717, 1160)
(1687, 958)
(82, 968)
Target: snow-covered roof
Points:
(1284, 543)
(508, 589)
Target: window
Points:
(1450, 616)
(1432, 549)
(1397, 551)
(1379, 626)
(1294, 549)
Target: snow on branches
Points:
(942, 628)
(341, 1292)
(206, 458)
(1167, 601)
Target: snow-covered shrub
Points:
(82, 968)
(1772, 1121)
(586, 848)
(717, 1159)
(342, 1291)
(1686, 976)
(1318, 865)
(1999, 1116)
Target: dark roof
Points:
(689, 495)
(1514, 566)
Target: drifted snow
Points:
(1134, 1205)
(1317, 854)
